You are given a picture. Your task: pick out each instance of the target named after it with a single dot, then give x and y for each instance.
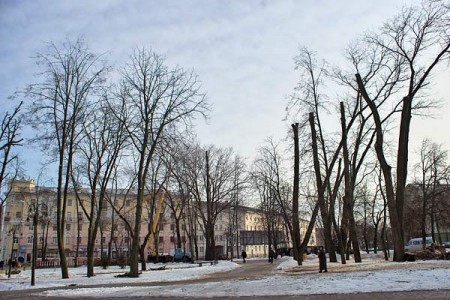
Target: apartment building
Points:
(236, 229)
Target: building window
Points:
(30, 239)
(18, 215)
(79, 239)
(67, 240)
(161, 239)
(172, 227)
(200, 238)
(103, 239)
(67, 227)
(69, 202)
(202, 249)
(128, 203)
(80, 216)
(126, 239)
(172, 239)
(55, 240)
(55, 228)
(69, 216)
(80, 227)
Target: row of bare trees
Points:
(131, 139)
(393, 68)
(131, 127)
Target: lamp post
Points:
(34, 250)
(13, 232)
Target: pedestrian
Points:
(322, 260)
(271, 255)
(244, 255)
(2, 263)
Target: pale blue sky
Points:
(242, 51)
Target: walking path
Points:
(251, 270)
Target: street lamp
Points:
(13, 232)
(34, 251)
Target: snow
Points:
(372, 275)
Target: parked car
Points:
(416, 244)
(447, 245)
(180, 255)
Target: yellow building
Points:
(236, 229)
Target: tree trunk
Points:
(394, 212)
(295, 219)
(321, 193)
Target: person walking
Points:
(271, 255)
(244, 255)
(322, 260)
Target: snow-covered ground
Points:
(373, 275)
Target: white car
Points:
(415, 244)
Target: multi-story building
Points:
(236, 228)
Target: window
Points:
(67, 240)
(200, 238)
(41, 239)
(69, 202)
(172, 239)
(80, 227)
(18, 215)
(30, 239)
(103, 239)
(55, 240)
(69, 216)
(55, 228)
(172, 227)
(68, 227)
(202, 249)
(128, 203)
(80, 216)
(79, 239)
(161, 239)
(126, 239)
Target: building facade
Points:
(236, 228)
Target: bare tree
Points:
(432, 171)
(70, 75)
(156, 99)
(9, 164)
(103, 142)
(212, 184)
(414, 42)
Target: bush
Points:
(105, 262)
(122, 260)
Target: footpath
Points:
(253, 270)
